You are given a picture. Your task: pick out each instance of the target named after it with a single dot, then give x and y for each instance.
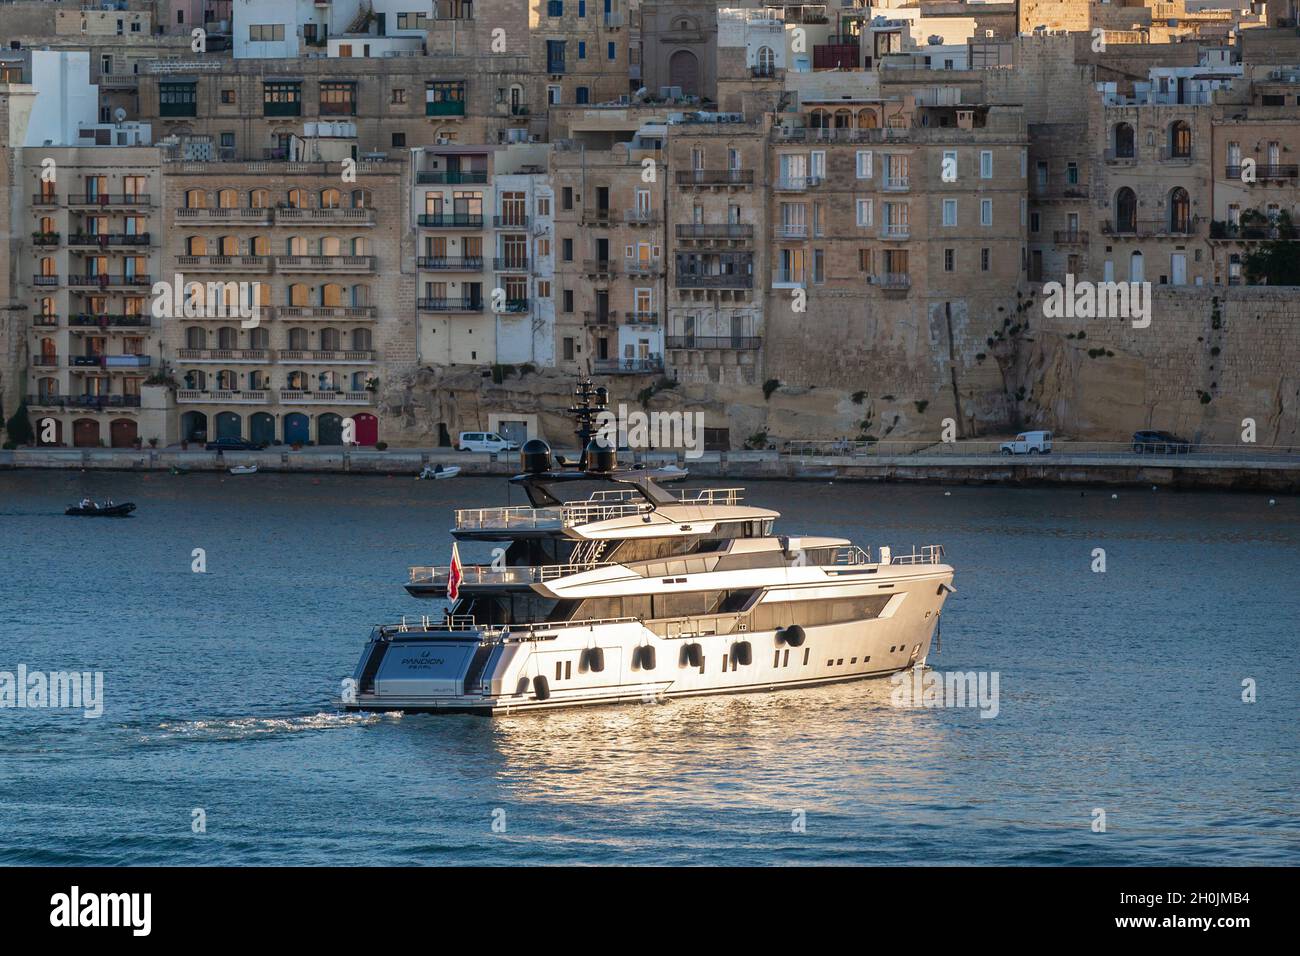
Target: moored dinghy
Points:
(89, 508)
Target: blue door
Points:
(229, 425)
(297, 429)
(261, 428)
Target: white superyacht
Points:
(633, 593)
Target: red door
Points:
(367, 428)
(122, 432)
(85, 433)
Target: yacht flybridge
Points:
(636, 593)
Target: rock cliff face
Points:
(1210, 359)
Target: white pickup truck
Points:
(1028, 443)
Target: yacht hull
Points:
(601, 663)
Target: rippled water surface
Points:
(1120, 691)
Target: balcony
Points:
(45, 321)
(449, 305)
(1070, 237)
(45, 238)
(104, 281)
(1175, 154)
(598, 267)
(795, 184)
(327, 313)
(87, 320)
(92, 403)
(692, 280)
(444, 108)
(641, 217)
(224, 264)
(641, 318)
(702, 230)
(450, 263)
(221, 396)
(792, 230)
(324, 217)
(243, 215)
(893, 281)
(110, 199)
(1264, 172)
(109, 361)
(510, 264)
(258, 356)
(290, 396)
(515, 307)
(613, 20)
(696, 178)
(895, 230)
(788, 278)
(45, 360)
(763, 72)
(447, 220)
(283, 107)
(896, 184)
(1121, 157)
(596, 217)
(106, 239)
(1149, 229)
(628, 366)
(45, 280)
(1254, 232)
(45, 199)
(349, 264)
(712, 342)
(510, 221)
(452, 177)
(637, 266)
(599, 319)
(327, 357)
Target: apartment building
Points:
(609, 254)
(579, 47)
(96, 233)
(318, 248)
(484, 255)
(717, 243)
(1254, 152)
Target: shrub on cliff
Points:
(19, 427)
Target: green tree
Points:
(19, 427)
(1276, 261)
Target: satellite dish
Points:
(119, 114)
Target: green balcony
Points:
(444, 108)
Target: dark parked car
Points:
(1160, 443)
(233, 444)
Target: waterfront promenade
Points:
(1274, 468)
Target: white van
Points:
(485, 441)
(1028, 443)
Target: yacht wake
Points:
(246, 728)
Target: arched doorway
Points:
(367, 428)
(194, 426)
(297, 429)
(122, 432)
(684, 71)
(1136, 271)
(229, 425)
(85, 433)
(1126, 210)
(1124, 143)
(1180, 211)
(329, 429)
(261, 428)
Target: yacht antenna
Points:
(589, 401)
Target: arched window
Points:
(331, 294)
(360, 246)
(1126, 210)
(361, 199)
(227, 199)
(47, 306)
(196, 338)
(259, 337)
(867, 119)
(329, 340)
(820, 119)
(196, 246)
(361, 340)
(258, 380)
(329, 246)
(360, 296)
(297, 246)
(259, 198)
(48, 268)
(1136, 271)
(228, 246)
(1124, 143)
(227, 337)
(1180, 140)
(227, 380)
(330, 198)
(1180, 211)
(297, 199)
(299, 294)
(259, 246)
(196, 199)
(843, 119)
(766, 61)
(327, 381)
(297, 381)
(298, 340)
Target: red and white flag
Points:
(455, 575)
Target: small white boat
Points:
(439, 471)
(244, 470)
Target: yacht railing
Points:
(601, 506)
(516, 574)
(927, 554)
(695, 625)
(849, 554)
